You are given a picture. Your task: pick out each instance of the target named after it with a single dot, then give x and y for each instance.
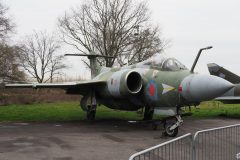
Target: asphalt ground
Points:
(99, 140)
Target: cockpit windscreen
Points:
(164, 63)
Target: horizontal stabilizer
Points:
(89, 55)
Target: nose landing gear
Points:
(171, 126)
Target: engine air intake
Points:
(134, 82)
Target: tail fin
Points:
(219, 71)
(95, 68)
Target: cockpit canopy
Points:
(164, 63)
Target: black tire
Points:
(148, 114)
(168, 132)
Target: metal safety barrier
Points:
(221, 143)
(176, 149)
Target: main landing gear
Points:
(148, 113)
(91, 108)
(89, 104)
(91, 112)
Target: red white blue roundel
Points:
(152, 90)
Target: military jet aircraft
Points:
(233, 95)
(160, 83)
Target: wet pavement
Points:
(102, 139)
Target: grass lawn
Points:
(70, 111)
(62, 111)
(215, 109)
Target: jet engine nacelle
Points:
(124, 83)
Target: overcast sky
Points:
(189, 24)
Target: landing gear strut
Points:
(91, 112)
(171, 126)
(148, 113)
(89, 104)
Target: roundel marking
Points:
(152, 90)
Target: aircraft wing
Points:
(229, 99)
(70, 87)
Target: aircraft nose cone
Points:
(199, 87)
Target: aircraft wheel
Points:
(168, 132)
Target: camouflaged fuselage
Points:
(159, 88)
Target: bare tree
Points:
(39, 57)
(107, 27)
(6, 24)
(9, 65)
(144, 44)
(55, 67)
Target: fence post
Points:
(194, 155)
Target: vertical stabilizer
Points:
(95, 68)
(219, 71)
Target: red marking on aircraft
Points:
(152, 90)
(180, 89)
